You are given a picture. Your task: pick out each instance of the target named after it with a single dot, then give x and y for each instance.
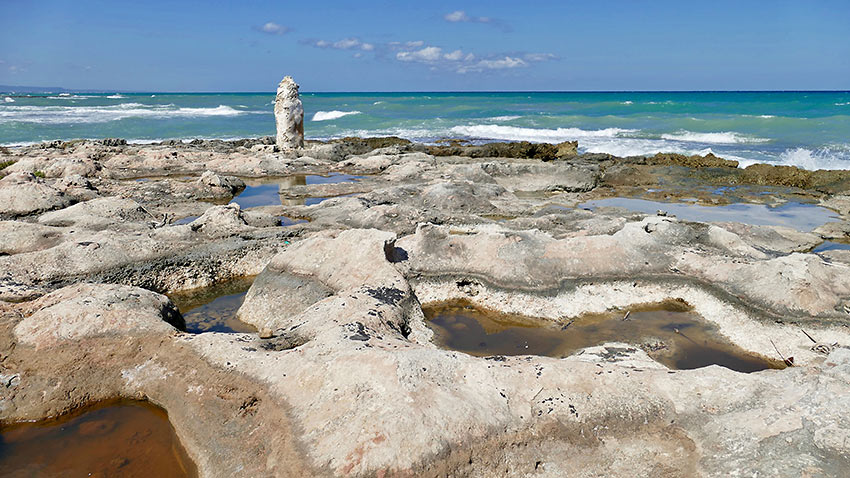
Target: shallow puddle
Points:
(123, 438)
(185, 220)
(803, 217)
(831, 246)
(670, 333)
(267, 193)
(213, 309)
(287, 221)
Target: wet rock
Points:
(289, 116)
(113, 142)
(95, 310)
(830, 181)
(23, 194)
(694, 161)
(521, 149)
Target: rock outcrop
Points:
(289, 116)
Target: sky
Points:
(394, 45)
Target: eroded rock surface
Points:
(346, 380)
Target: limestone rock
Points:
(22, 194)
(212, 185)
(17, 237)
(97, 214)
(96, 310)
(289, 116)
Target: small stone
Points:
(266, 333)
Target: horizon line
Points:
(102, 91)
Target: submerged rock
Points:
(289, 116)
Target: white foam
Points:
(726, 137)
(332, 115)
(843, 104)
(104, 114)
(627, 103)
(504, 118)
(837, 157)
(8, 100)
(116, 97)
(515, 133)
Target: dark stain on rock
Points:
(360, 330)
(387, 295)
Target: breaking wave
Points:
(104, 114)
(332, 115)
(516, 133)
(836, 157)
(727, 137)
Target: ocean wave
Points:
(116, 97)
(727, 137)
(332, 115)
(843, 104)
(105, 114)
(627, 102)
(8, 100)
(515, 133)
(504, 118)
(835, 157)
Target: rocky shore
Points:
(344, 378)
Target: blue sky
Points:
(383, 45)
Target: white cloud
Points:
(428, 54)
(460, 16)
(457, 16)
(503, 63)
(454, 56)
(539, 56)
(352, 43)
(273, 28)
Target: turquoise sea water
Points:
(807, 129)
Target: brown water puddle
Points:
(670, 333)
(119, 438)
(213, 309)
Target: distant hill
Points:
(32, 89)
(41, 90)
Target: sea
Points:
(803, 128)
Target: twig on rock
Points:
(809, 336)
(788, 361)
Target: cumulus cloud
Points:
(352, 43)
(460, 16)
(272, 28)
(433, 57)
(429, 54)
(457, 16)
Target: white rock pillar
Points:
(288, 116)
